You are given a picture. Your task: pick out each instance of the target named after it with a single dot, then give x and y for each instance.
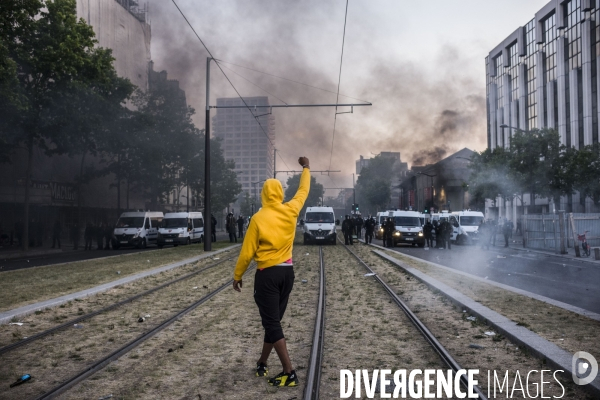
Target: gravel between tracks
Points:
(57, 357)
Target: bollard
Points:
(597, 253)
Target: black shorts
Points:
(272, 288)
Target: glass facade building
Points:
(247, 139)
(544, 75)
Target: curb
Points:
(6, 316)
(540, 347)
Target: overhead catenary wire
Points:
(339, 82)
(254, 84)
(291, 80)
(226, 77)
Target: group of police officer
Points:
(353, 226)
(440, 230)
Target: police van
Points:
(181, 228)
(408, 228)
(466, 226)
(137, 228)
(319, 225)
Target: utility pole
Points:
(207, 214)
(274, 161)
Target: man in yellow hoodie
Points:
(269, 241)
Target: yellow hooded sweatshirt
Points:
(270, 235)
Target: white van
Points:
(319, 225)
(467, 230)
(408, 228)
(181, 228)
(137, 228)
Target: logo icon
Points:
(585, 368)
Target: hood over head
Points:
(272, 192)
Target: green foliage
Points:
(314, 196)
(536, 163)
(585, 172)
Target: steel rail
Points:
(313, 375)
(98, 365)
(438, 347)
(70, 323)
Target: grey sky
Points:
(421, 64)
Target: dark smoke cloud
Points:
(425, 114)
(429, 156)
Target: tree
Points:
(490, 176)
(314, 195)
(538, 164)
(584, 172)
(57, 66)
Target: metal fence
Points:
(543, 231)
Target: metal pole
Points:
(207, 215)
(274, 161)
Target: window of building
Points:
(573, 33)
(530, 62)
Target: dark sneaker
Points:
(261, 369)
(283, 379)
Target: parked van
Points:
(137, 228)
(408, 228)
(181, 228)
(467, 230)
(319, 225)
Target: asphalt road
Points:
(70, 255)
(564, 279)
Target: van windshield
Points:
(130, 222)
(325, 217)
(407, 221)
(470, 220)
(381, 220)
(170, 223)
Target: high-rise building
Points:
(545, 75)
(248, 138)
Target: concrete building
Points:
(121, 25)
(248, 138)
(545, 75)
(439, 186)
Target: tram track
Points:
(98, 365)
(420, 326)
(88, 316)
(54, 359)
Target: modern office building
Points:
(248, 138)
(545, 75)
